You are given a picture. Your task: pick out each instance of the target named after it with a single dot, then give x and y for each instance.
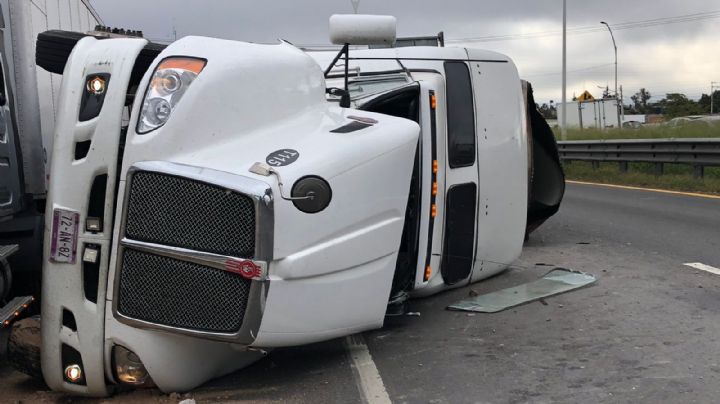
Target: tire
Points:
(23, 352)
(53, 49)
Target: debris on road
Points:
(559, 280)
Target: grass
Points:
(688, 130)
(676, 177)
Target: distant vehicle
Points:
(683, 120)
(632, 124)
(28, 107)
(254, 201)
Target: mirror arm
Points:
(343, 51)
(345, 100)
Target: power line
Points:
(593, 29)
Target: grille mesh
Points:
(181, 212)
(182, 294)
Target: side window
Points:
(460, 115)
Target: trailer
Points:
(260, 196)
(29, 97)
(594, 114)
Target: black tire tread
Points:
(54, 47)
(24, 344)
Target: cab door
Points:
(10, 180)
(461, 175)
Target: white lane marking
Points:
(703, 267)
(366, 373)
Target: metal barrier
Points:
(700, 152)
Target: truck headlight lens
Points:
(169, 82)
(129, 369)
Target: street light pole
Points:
(563, 122)
(616, 72)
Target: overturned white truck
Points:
(261, 196)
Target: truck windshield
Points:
(361, 88)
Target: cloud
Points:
(664, 58)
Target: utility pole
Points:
(616, 69)
(713, 85)
(355, 5)
(563, 122)
(622, 106)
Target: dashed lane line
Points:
(703, 267)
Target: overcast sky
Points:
(683, 56)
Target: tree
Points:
(676, 104)
(704, 102)
(640, 101)
(606, 93)
(547, 111)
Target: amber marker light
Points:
(433, 210)
(433, 101)
(428, 272)
(435, 166)
(190, 64)
(434, 188)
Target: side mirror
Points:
(356, 29)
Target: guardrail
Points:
(700, 152)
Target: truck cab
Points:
(260, 197)
(475, 193)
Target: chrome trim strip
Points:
(198, 257)
(262, 195)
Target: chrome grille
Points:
(183, 294)
(182, 212)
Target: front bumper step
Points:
(7, 250)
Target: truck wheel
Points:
(24, 347)
(53, 49)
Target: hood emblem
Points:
(246, 268)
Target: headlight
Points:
(129, 369)
(169, 82)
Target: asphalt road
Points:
(647, 332)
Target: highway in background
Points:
(647, 332)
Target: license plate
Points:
(63, 247)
